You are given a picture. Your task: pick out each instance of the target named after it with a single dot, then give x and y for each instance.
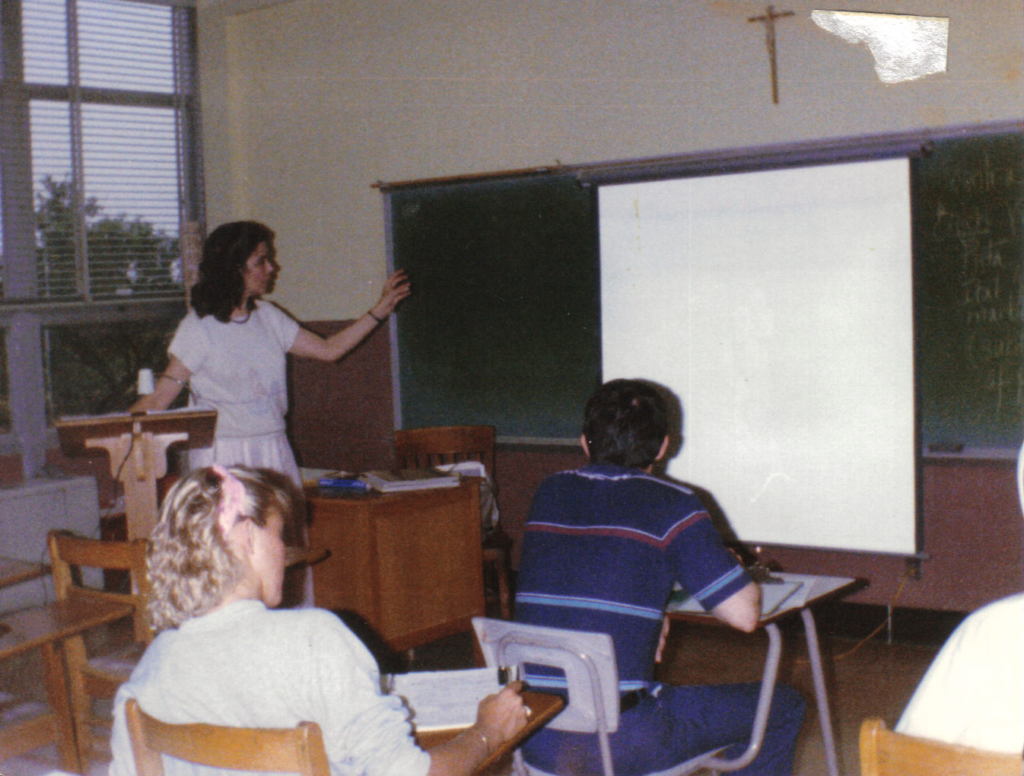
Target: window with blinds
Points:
(99, 171)
(98, 148)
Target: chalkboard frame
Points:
(913, 144)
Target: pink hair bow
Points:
(232, 499)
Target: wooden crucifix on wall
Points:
(768, 19)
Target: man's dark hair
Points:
(220, 287)
(625, 423)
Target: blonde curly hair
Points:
(191, 568)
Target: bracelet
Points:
(487, 746)
(182, 383)
(378, 320)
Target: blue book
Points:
(342, 481)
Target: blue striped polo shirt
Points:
(602, 548)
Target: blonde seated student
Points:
(224, 656)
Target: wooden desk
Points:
(543, 708)
(410, 564)
(46, 627)
(823, 589)
(14, 571)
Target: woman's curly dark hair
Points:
(220, 287)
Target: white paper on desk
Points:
(444, 699)
(782, 595)
(814, 586)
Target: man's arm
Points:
(742, 609)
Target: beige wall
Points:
(308, 103)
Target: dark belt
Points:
(630, 699)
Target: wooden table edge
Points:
(14, 571)
(63, 623)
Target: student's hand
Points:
(499, 717)
(396, 288)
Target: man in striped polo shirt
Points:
(603, 548)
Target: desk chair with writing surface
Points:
(283, 750)
(592, 678)
(420, 448)
(886, 753)
(99, 675)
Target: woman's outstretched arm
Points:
(307, 344)
(168, 385)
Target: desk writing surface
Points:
(55, 621)
(46, 628)
(14, 571)
(813, 589)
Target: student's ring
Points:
(528, 710)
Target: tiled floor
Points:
(869, 679)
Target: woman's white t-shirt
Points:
(239, 368)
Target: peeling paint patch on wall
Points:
(904, 47)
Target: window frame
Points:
(23, 316)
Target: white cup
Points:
(145, 382)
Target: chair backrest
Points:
(885, 753)
(69, 554)
(285, 750)
(587, 659)
(419, 448)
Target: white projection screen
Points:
(777, 306)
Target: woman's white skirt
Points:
(267, 451)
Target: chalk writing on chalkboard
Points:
(969, 256)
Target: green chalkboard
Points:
(968, 232)
(503, 326)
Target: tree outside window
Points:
(99, 170)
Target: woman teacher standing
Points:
(230, 349)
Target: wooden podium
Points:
(137, 447)
(409, 564)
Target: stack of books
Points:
(341, 481)
(409, 479)
(387, 481)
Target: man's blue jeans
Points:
(672, 725)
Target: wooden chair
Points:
(284, 750)
(419, 448)
(885, 753)
(98, 676)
